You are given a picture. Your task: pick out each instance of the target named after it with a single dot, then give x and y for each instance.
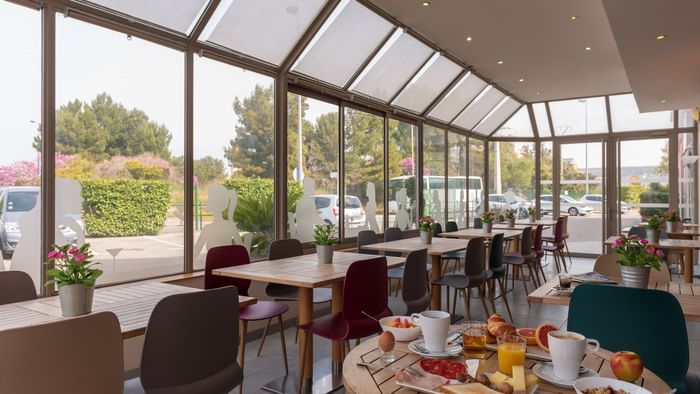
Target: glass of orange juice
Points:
(511, 351)
(474, 339)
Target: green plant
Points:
(673, 216)
(636, 252)
(325, 234)
(72, 266)
(509, 214)
(655, 222)
(532, 211)
(426, 223)
(488, 217)
(139, 170)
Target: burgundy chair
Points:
(230, 256)
(539, 252)
(364, 290)
(524, 258)
(556, 245)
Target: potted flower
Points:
(532, 214)
(636, 258)
(74, 274)
(673, 218)
(653, 228)
(325, 238)
(509, 214)
(487, 219)
(426, 225)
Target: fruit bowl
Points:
(400, 333)
(592, 382)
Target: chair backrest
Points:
(392, 234)
(559, 230)
(526, 242)
(283, 248)
(437, 230)
(565, 224)
(635, 320)
(365, 288)
(475, 258)
(191, 343)
(607, 265)
(83, 355)
(638, 231)
(366, 237)
(223, 257)
(414, 289)
(496, 253)
(537, 243)
(451, 227)
(478, 223)
(16, 286)
(663, 275)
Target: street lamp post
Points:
(585, 104)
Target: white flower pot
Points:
(488, 228)
(426, 237)
(324, 254)
(510, 222)
(76, 300)
(531, 219)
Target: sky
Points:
(150, 77)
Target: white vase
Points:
(531, 219)
(488, 228)
(324, 254)
(426, 237)
(510, 222)
(76, 299)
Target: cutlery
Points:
(370, 316)
(409, 369)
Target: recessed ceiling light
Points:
(573, 17)
(663, 101)
(425, 3)
(469, 38)
(660, 37)
(521, 80)
(538, 93)
(588, 48)
(500, 62)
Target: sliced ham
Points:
(428, 381)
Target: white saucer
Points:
(545, 371)
(418, 347)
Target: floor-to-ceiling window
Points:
(457, 178)
(434, 173)
(403, 179)
(511, 176)
(687, 171)
(477, 176)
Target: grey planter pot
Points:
(510, 222)
(653, 235)
(76, 300)
(426, 237)
(532, 219)
(324, 253)
(635, 276)
(488, 228)
(671, 227)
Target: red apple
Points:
(626, 366)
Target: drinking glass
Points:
(474, 339)
(511, 351)
(564, 281)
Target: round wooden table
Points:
(365, 380)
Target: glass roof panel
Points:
(392, 67)
(579, 116)
(479, 108)
(685, 118)
(175, 15)
(343, 43)
(458, 98)
(264, 29)
(517, 126)
(430, 81)
(497, 116)
(626, 116)
(543, 128)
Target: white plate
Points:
(545, 371)
(452, 349)
(592, 382)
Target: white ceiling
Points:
(538, 41)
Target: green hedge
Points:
(124, 207)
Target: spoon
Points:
(370, 316)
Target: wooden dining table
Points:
(361, 379)
(132, 303)
(436, 249)
(687, 246)
(305, 273)
(688, 296)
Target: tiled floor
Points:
(260, 370)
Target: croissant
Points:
(497, 326)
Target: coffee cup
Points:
(435, 325)
(567, 350)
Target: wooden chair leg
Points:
(492, 292)
(512, 278)
(482, 294)
(264, 335)
(505, 299)
(566, 245)
(241, 361)
(454, 302)
(466, 303)
(300, 383)
(539, 265)
(522, 278)
(284, 344)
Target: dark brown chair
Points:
(191, 344)
(16, 286)
(524, 258)
(414, 292)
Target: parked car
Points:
(15, 202)
(328, 208)
(566, 205)
(498, 202)
(596, 201)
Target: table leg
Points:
(436, 303)
(306, 296)
(688, 265)
(516, 244)
(337, 306)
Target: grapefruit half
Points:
(541, 335)
(528, 334)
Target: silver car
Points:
(566, 205)
(596, 201)
(328, 208)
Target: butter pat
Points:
(519, 379)
(498, 378)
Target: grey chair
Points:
(281, 249)
(497, 272)
(455, 257)
(474, 276)
(414, 291)
(451, 227)
(638, 231)
(366, 237)
(191, 344)
(478, 223)
(16, 286)
(524, 258)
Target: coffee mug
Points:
(435, 326)
(567, 350)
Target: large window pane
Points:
(626, 116)
(685, 118)
(176, 15)
(517, 126)
(511, 176)
(457, 179)
(403, 179)
(479, 108)
(119, 143)
(500, 114)
(582, 116)
(430, 81)
(364, 172)
(687, 169)
(434, 173)
(312, 139)
(546, 169)
(233, 158)
(20, 159)
(643, 179)
(541, 119)
(477, 174)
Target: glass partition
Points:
(546, 168)
(581, 116)
(403, 178)
(626, 116)
(511, 176)
(434, 173)
(687, 173)
(540, 111)
(477, 176)
(457, 179)
(180, 16)
(517, 126)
